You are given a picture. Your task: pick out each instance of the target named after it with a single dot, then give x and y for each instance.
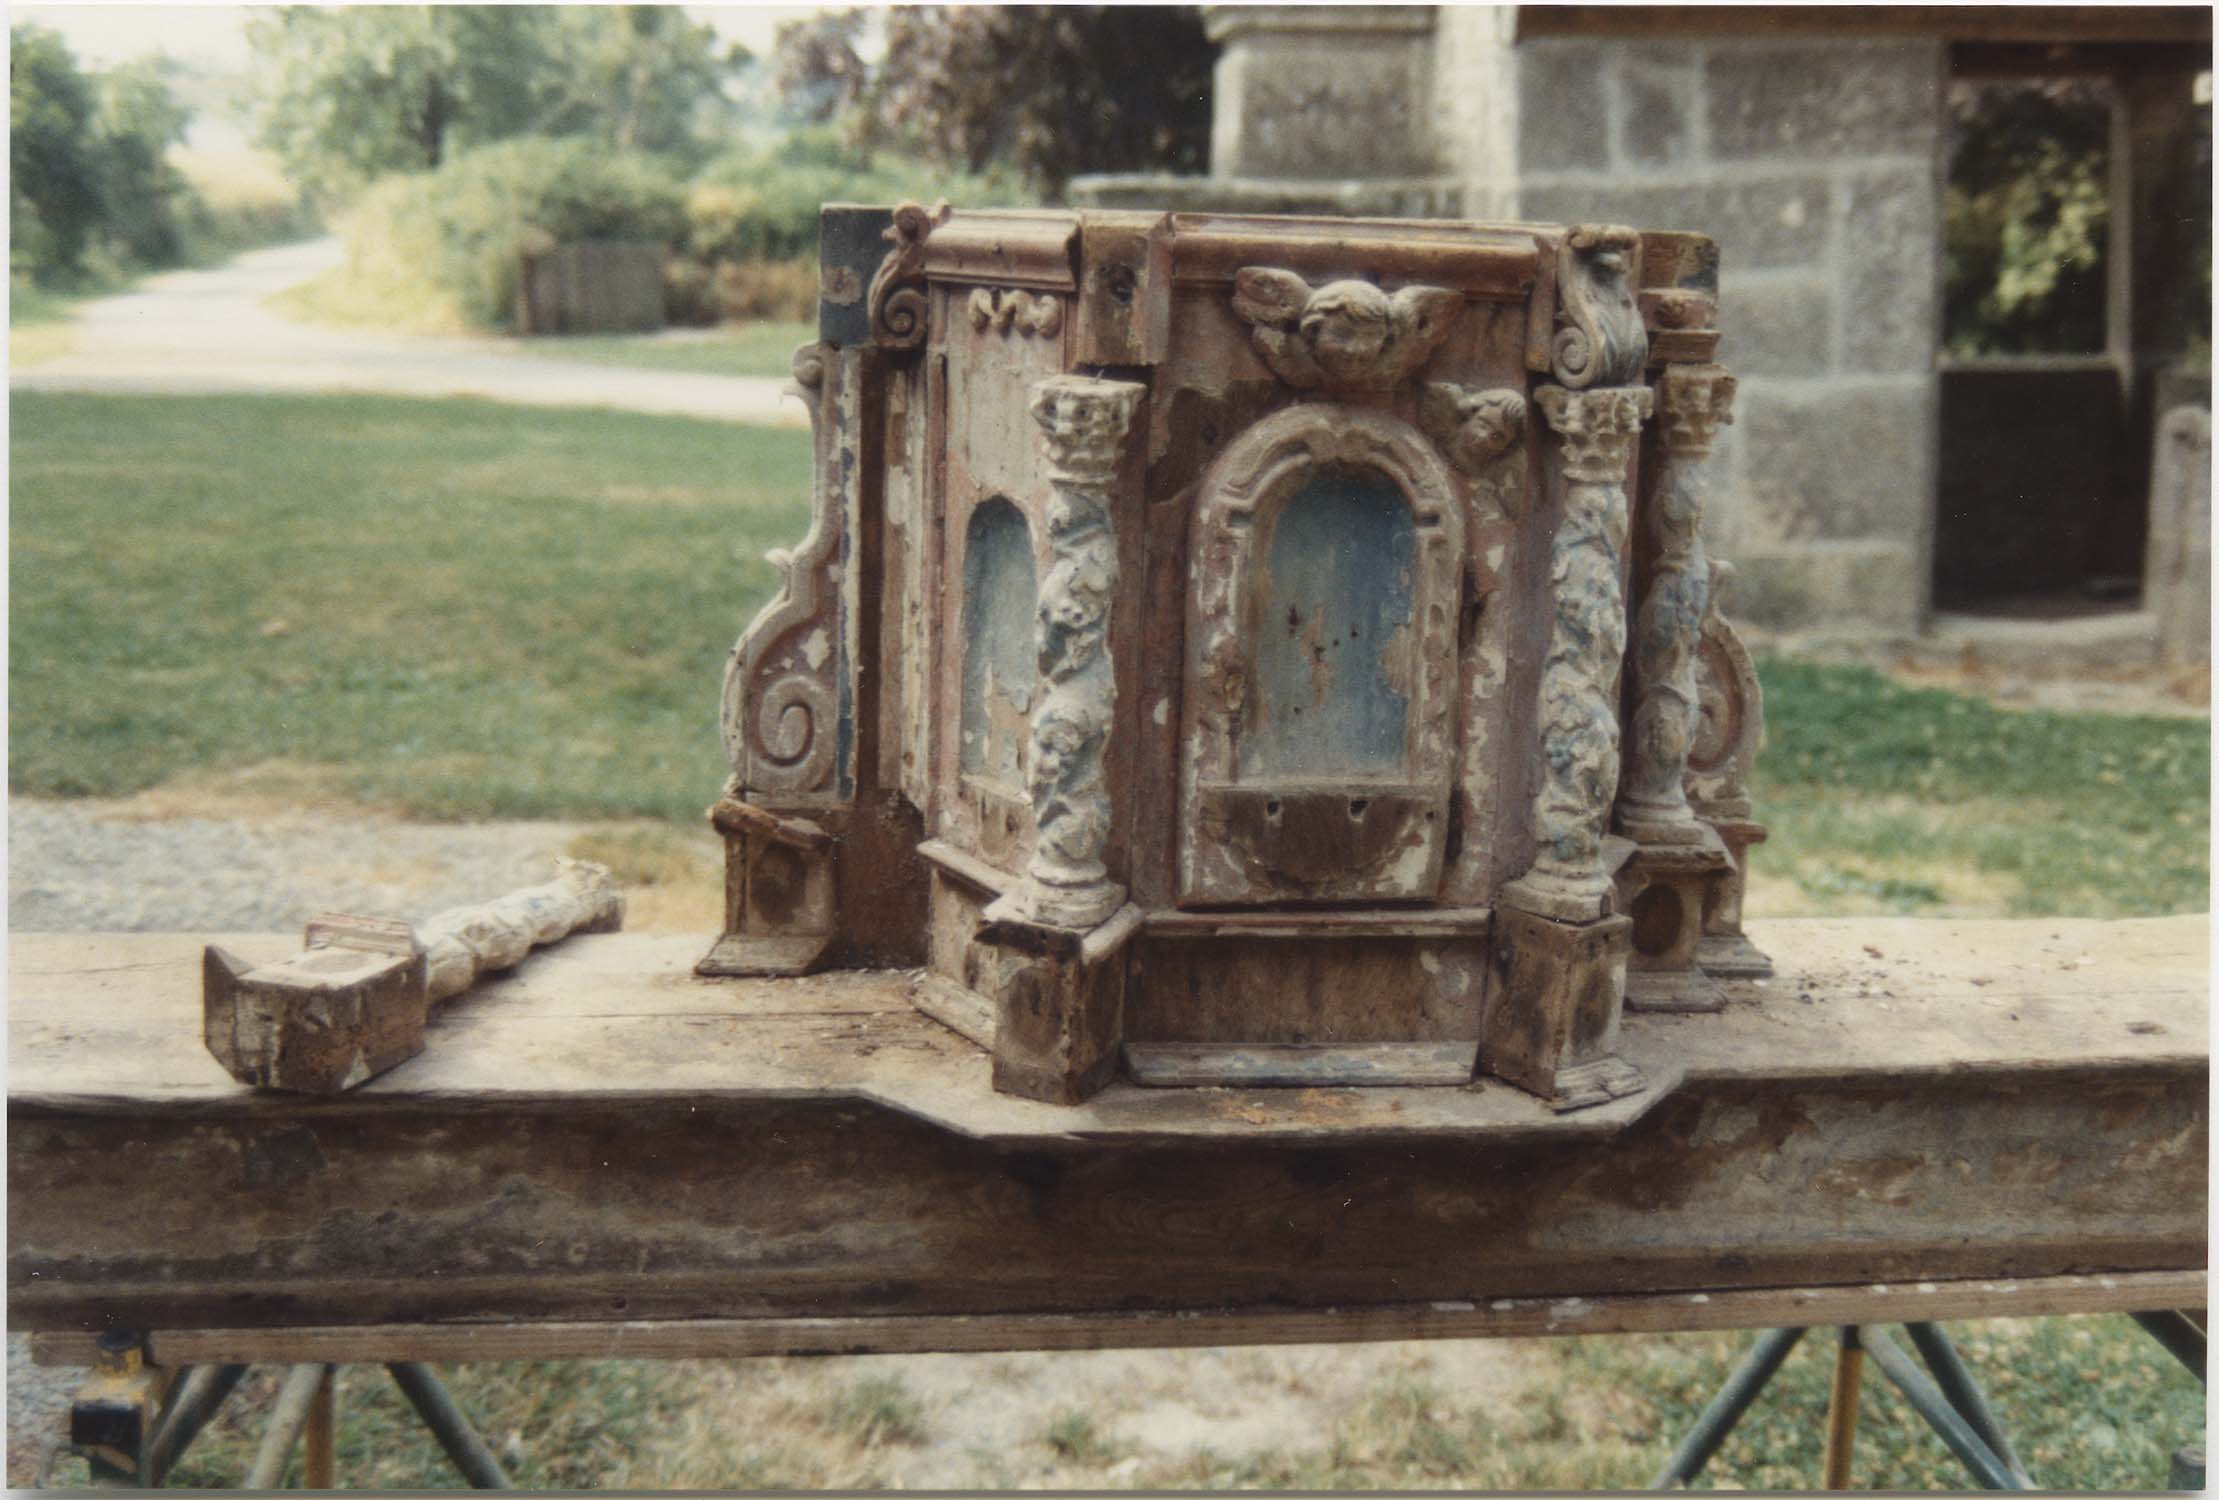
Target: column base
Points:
(1555, 993)
(1059, 1005)
(1558, 897)
(1066, 908)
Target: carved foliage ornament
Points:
(1346, 334)
(781, 686)
(1602, 341)
(1022, 312)
(897, 301)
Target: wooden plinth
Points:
(608, 1149)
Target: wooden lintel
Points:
(2014, 23)
(1503, 1317)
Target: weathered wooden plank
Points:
(2000, 1100)
(1504, 1317)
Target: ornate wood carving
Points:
(1020, 311)
(1601, 341)
(1474, 427)
(1368, 836)
(1578, 710)
(897, 299)
(1083, 422)
(1693, 401)
(1346, 334)
(782, 686)
(1730, 714)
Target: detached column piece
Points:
(1083, 422)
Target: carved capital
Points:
(897, 301)
(1474, 427)
(1345, 334)
(1693, 402)
(1084, 421)
(1601, 341)
(1599, 428)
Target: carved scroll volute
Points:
(1578, 708)
(1083, 423)
(781, 686)
(897, 298)
(1693, 401)
(1346, 335)
(1600, 340)
(1729, 727)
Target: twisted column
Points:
(1693, 402)
(1083, 422)
(1579, 720)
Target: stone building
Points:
(1862, 484)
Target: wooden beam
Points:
(604, 1139)
(1508, 1317)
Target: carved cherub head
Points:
(1345, 333)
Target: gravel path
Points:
(208, 332)
(82, 867)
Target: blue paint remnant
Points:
(1334, 637)
(1000, 657)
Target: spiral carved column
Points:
(1083, 422)
(1579, 721)
(1693, 402)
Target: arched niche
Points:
(1000, 656)
(1321, 651)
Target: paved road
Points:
(207, 332)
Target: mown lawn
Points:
(470, 610)
(737, 349)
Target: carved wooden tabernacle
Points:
(1253, 650)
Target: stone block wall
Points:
(1817, 166)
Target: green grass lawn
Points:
(738, 349)
(1882, 797)
(471, 610)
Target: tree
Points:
(1050, 90)
(89, 160)
(640, 76)
(349, 93)
(137, 121)
(821, 75)
(53, 190)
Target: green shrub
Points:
(460, 228)
(761, 205)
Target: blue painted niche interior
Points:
(1336, 610)
(1000, 658)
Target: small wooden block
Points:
(319, 1022)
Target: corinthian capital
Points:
(1599, 428)
(1693, 402)
(1084, 421)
